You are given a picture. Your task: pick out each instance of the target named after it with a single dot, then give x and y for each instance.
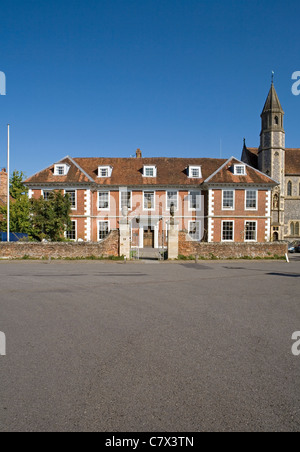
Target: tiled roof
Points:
(225, 175)
(129, 171)
(292, 161)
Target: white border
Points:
(231, 209)
(251, 208)
(228, 241)
(256, 231)
(98, 228)
(76, 236)
(72, 189)
(149, 191)
(98, 199)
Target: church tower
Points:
(271, 157)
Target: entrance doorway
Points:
(148, 238)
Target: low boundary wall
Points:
(107, 248)
(187, 248)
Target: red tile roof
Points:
(292, 160)
(225, 175)
(129, 172)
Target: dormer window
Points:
(195, 172)
(240, 170)
(61, 169)
(150, 171)
(104, 171)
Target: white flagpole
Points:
(8, 187)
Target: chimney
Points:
(3, 185)
(138, 154)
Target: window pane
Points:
(250, 232)
(251, 199)
(103, 200)
(72, 197)
(126, 199)
(47, 195)
(149, 200)
(71, 234)
(194, 230)
(240, 170)
(172, 199)
(195, 200)
(227, 231)
(103, 229)
(149, 172)
(228, 199)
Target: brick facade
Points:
(3, 187)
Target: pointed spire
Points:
(272, 102)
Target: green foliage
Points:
(38, 218)
(51, 218)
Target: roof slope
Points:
(129, 172)
(272, 102)
(225, 175)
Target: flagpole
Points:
(8, 187)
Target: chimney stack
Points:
(3, 185)
(138, 154)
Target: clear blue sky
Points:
(173, 77)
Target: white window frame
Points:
(236, 173)
(233, 231)
(98, 199)
(47, 191)
(168, 208)
(199, 193)
(98, 229)
(195, 168)
(150, 167)
(251, 208)
(120, 198)
(149, 191)
(251, 221)
(108, 170)
(73, 240)
(228, 208)
(71, 189)
(198, 239)
(61, 165)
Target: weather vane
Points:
(273, 73)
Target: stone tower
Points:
(271, 157)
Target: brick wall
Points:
(230, 250)
(109, 247)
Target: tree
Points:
(19, 207)
(50, 219)
(39, 218)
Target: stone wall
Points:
(106, 248)
(229, 250)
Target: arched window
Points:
(297, 229)
(292, 229)
(289, 188)
(276, 121)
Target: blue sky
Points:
(173, 77)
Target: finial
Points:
(273, 74)
(244, 142)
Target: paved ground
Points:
(95, 346)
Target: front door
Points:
(148, 238)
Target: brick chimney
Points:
(138, 154)
(3, 185)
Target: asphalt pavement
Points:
(149, 347)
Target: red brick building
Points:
(214, 200)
